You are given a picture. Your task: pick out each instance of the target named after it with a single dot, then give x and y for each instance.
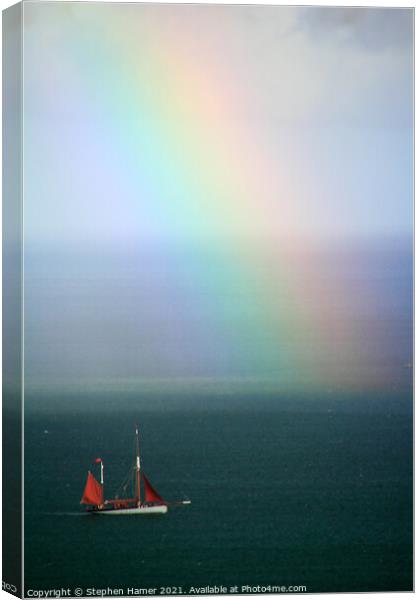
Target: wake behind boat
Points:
(152, 502)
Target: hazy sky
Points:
(215, 191)
(195, 120)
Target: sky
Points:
(218, 192)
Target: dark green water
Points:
(315, 493)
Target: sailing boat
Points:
(152, 502)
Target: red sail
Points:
(150, 493)
(93, 493)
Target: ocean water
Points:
(285, 491)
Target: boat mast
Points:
(100, 461)
(138, 467)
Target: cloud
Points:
(375, 29)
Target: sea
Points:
(285, 491)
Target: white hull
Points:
(141, 510)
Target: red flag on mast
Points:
(93, 493)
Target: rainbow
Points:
(171, 139)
